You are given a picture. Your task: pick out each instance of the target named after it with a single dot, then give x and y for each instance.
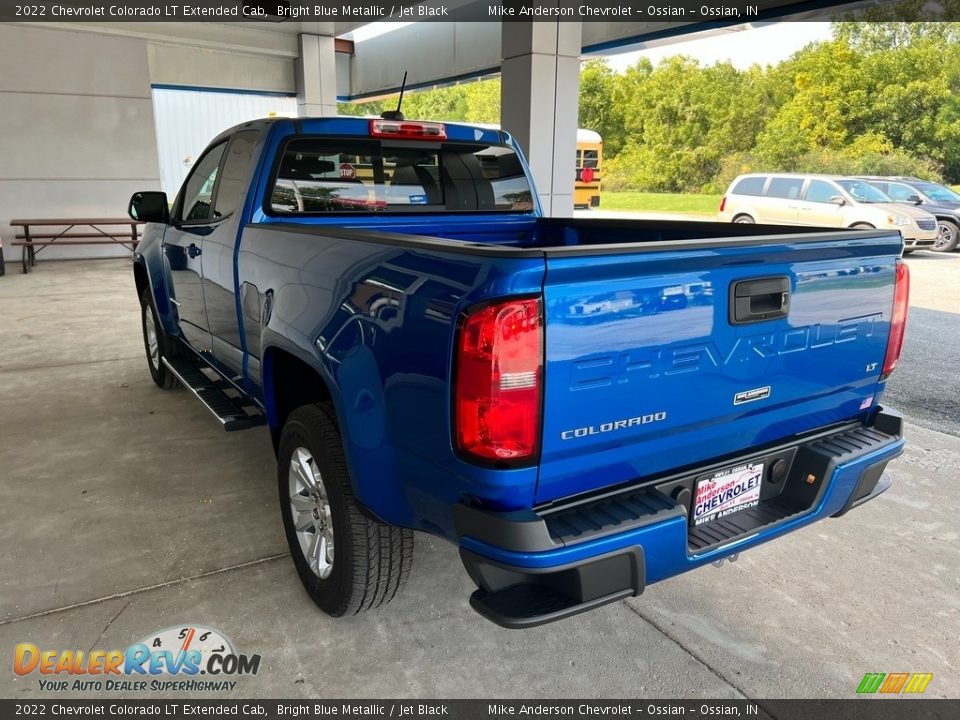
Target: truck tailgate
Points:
(660, 357)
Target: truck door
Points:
(219, 291)
(183, 245)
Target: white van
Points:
(823, 201)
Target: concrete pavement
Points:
(127, 510)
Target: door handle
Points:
(193, 250)
(759, 299)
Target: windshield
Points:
(938, 193)
(864, 192)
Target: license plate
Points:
(727, 492)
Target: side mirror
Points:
(838, 200)
(149, 206)
(915, 199)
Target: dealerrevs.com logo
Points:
(186, 658)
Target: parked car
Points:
(824, 201)
(540, 391)
(938, 200)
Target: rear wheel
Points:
(347, 561)
(744, 219)
(862, 226)
(156, 343)
(948, 237)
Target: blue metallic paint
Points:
(627, 337)
(376, 322)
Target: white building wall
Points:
(187, 120)
(77, 134)
(199, 66)
(77, 129)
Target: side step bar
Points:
(230, 411)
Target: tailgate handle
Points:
(759, 299)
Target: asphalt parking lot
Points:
(127, 510)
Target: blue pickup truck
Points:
(583, 406)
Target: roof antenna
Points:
(396, 114)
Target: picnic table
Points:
(72, 231)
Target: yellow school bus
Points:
(586, 191)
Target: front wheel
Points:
(744, 220)
(156, 343)
(347, 561)
(948, 237)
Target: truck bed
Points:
(646, 368)
(562, 236)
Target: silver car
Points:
(824, 201)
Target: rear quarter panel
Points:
(377, 322)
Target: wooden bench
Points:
(92, 232)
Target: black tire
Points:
(371, 560)
(166, 346)
(744, 220)
(907, 251)
(3, 263)
(948, 238)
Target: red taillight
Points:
(498, 378)
(898, 321)
(723, 203)
(408, 130)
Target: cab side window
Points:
(235, 176)
(197, 204)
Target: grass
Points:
(661, 202)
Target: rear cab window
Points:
(356, 175)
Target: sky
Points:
(765, 44)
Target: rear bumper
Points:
(533, 567)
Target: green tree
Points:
(360, 109)
(681, 120)
(598, 109)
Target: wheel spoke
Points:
(305, 469)
(310, 512)
(153, 344)
(304, 521)
(313, 554)
(301, 503)
(329, 536)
